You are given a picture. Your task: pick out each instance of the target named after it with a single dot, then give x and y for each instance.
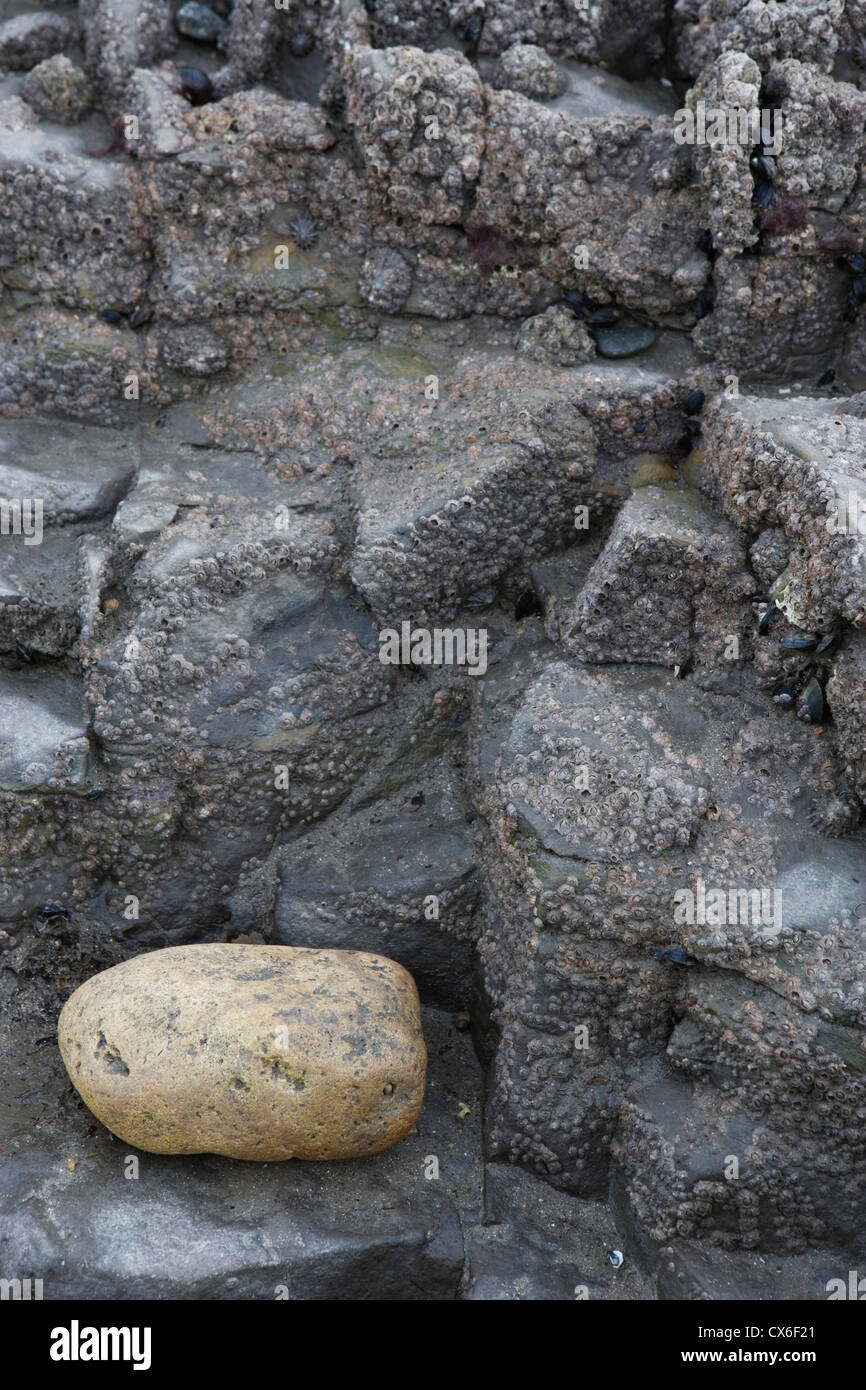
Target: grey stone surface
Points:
(397, 875)
(80, 473)
(537, 1244)
(44, 740)
(258, 445)
(40, 593)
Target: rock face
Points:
(254, 447)
(262, 1052)
(666, 559)
(620, 1026)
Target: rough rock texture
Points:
(668, 573)
(555, 337)
(56, 88)
(799, 470)
(265, 1052)
(526, 68)
(462, 520)
(377, 334)
(72, 226)
(120, 36)
(617, 1031)
(27, 39)
(808, 31)
(421, 114)
(846, 696)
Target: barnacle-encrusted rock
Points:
(846, 696)
(526, 68)
(418, 121)
(385, 280)
(267, 674)
(730, 85)
(84, 377)
(774, 316)
(609, 1012)
(670, 569)
(555, 336)
(334, 323)
(625, 33)
(636, 240)
(432, 528)
(273, 148)
(263, 1052)
(27, 39)
(56, 88)
(194, 350)
(770, 554)
(72, 226)
(251, 43)
(798, 468)
(818, 115)
(120, 36)
(808, 30)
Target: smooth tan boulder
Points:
(264, 1052)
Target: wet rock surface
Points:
(405, 316)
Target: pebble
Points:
(256, 1052)
(385, 280)
(197, 21)
(624, 339)
(526, 68)
(59, 90)
(195, 85)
